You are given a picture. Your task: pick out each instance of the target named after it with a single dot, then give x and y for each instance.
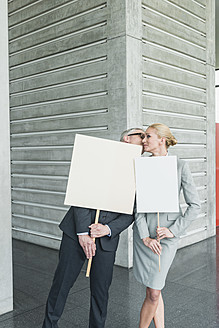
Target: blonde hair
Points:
(163, 131)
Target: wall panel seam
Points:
(35, 233)
(89, 95)
(189, 131)
(185, 10)
(177, 52)
(24, 7)
(58, 22)
(174, 36)
(172, 114)
(148, 59)
(60, 69)
(40, 162)
(66, 36)
(28, 217)
(59, 208)
(146, 7)
(38, 191)
(62, 116)
(39, 176)
(84, 129)
(199, 3)
(39, 15)
(173, 98)
(58, 85)
(77, 48)
(167, 81)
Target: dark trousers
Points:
(71, 260)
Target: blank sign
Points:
(102, 174)
(156, 184)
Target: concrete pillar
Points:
(124, 84)
(6, 292)
(134, 67)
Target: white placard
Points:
(102, 174)
(156, 184)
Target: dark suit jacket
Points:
(78, 219)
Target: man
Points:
(77, 245)
(133, 136)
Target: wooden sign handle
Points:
(90, 260)
(158, 224)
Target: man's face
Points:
(136, 137)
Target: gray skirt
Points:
(146, 263)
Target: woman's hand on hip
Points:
(153, 244)
(163, 232)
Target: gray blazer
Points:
(176, 222)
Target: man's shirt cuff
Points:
(109, 235)
(82, 233)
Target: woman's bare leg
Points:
(149, 307)
(159, 314)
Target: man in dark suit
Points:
(77, 244)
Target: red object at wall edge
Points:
(217, 174)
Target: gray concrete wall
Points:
(97, 69)
(6, 291)
(178, 80)
(58, 87)
(67, 75)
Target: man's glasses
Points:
(140, 134)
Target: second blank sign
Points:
(156, 184)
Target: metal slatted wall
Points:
(174, 84)
(58, 87)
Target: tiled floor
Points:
(191, 294)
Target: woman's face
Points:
(152, 141)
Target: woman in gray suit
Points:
(150, 241)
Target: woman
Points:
(151, 241)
